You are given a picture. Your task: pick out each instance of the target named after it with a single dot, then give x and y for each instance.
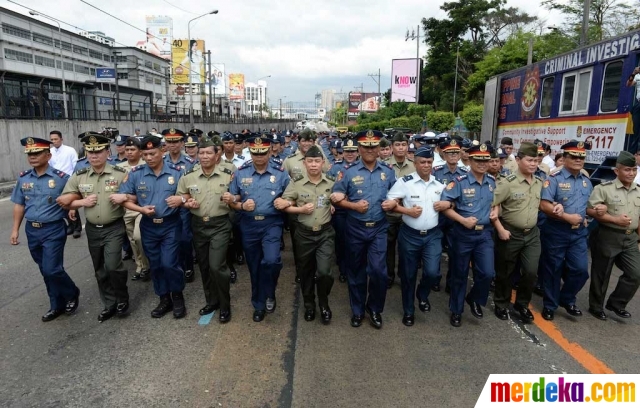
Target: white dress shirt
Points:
(236, 160)
(63, 158)
(416, 192)
(548, 160)
(637, 179)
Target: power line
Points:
(173, 5)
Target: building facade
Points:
(100, 37)
(255, 99)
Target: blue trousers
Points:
(161, 244)
(367, 258)
(339, 225)
(46, 245)
(413, 247)
(186, 241)
(261, 244)
(446, 225)
(565, 258)
(476, 246)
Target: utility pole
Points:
(415, 35)
(584, 34)
(377, 81)
(117, 104)
(210, 84)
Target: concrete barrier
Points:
(13, 161)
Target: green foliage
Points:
(441, 121)
(471, 115)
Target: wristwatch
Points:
(184, 200)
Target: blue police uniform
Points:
(472, 198)
(366, 233)
(46, 230)
(161, 232)
(565, 246)
(262, 227)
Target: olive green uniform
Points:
(395, 219)
(211, 228)
(519, 201)
(314, 238)
(132, 225)
(105, 230)
(612, 244)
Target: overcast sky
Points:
(306, 46)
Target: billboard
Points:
(236, 87)
(363, 102)
(106, 75)
(187, 60)
(218, 80)
(405, 80)
(159, 36)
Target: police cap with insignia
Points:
(399, 137)
(350, 145)
(275, 139)
(150, 142)
(173, 135)
(121, 140)
(501, 153)
(425, 152)
(133, 141)
(35, 145)
(450, 145)
(528, 149)
(412, 148)
(507, 141)
(480, 152)
(238, 138)
(259, 144)
(227, 137)
(314, 151)
(369, 138)
(307, 134)
(339, 146)
(542, 146)
(206, 141)
(626, 159)
(213, 133)
(384, 142)
(191, 140)
(196, 131)
(576, 148)
(95, 143)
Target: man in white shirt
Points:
(64, 158)
(634, 80)
(419, 237)
(547, 159)
(637, 156)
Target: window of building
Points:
(576, 89)
(157, 81)
(81, 69)
(148, 79)
(80, 50)
(43, 39)
(148, 64)
(18, 56)
(547, 96)
(17, 31)
(121, 58)
(611, 87)
(123, 75)
(106, 57)
(95, 54)
(158, 95)
(44, 61)
(92, 71)
(156, 67)
(65, 45)
(68, 66)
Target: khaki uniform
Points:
(314, 237)
(395, 219)
(132, 225)
(211, 228)
(511, 164)
(105, 230)
(519, 201)
(544, 167)
(612, 244)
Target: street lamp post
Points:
(415, 35)
(190, 66)
(64, 86)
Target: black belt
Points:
(370, 224)
(420, 232)
(317, 228)
(211, 219)
(524, 231)
(479, 227)
(36, 224)
(103, 225)
(618, 230)
(168, 218)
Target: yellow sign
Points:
(236, 87)
(187, 60)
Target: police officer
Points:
(276, 149)
(542, 149)
(518, 195)
(228, 154)
(154, 187)
(92, 189)
(471, 195)
(191, 146)
(362, 190)
(203, 189)
(506, 144)
(564, 238)
(289, 146)
(308, 196)
(34, 199)
(385, 149)
(121, 155)
(419, 237)
(254, 187)
(402, 166)
(616, 206)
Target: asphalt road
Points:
(284, 361)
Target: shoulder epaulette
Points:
(298, 177)
(82, 171)
(604, 183)
(277, 166)
(438, 167)
(189, 159)
(292, 154)
(389, 165)
(407, 178)
(246, 164)
(194, 169)
(226, 170)
(136, 168)
(461, 177)
(276, 159)
(463, 169)
(175, 166)
(490, 176)
(539, 178)
(120, 169)
(25, 172)
(330, 177)
(555, 173)
(61, 174)
(511, 177)
(240, 157)
(337, 162)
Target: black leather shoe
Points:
(145, 275)
(189, 275)
(325, 315)
(455, 320)
(106, 314)
(258, 315)
(179, 308)
(225, 316)
(572, 310)
(72, 305)
(52, 315)
(127, 255)
(424, 305)
(240, 259)
(310, 314)
(375, 318)
(475, 308)
(598, 314)
(164, 307)
(547, 314)
(271, 305)
(435, 287)
(298, 280)
(356, 320)
(538, 290)
(208, 309)
(525, 314)
(342, 278)
(69, 229)
(136, 276)
(501, 313)
(76, 234)
(408, 320)
(233, 275)
(122, 309)
(619, 312)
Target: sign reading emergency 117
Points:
(106, 75)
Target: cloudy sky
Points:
(305, 46)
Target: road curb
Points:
(6, 189)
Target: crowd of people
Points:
(369, 206)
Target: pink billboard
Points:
(405, 79)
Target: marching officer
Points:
(564, 238)
(154, 186)
(92, 188)
(308, 196)
(402, 166)
(362, 190)
(191, 146)
(121, 155)
(471, 196)
(228, 154)
(34, 198)
(518, 195)
(254, 187)
(419, 237)
(203, 189)
(616, 239)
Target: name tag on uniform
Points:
(142, 188)
(564, 186)
(518, 196)
(85, 188)
(194, 190)
(246, 181)
(323, 201)
(27, 186)
(469, 192)
(415, 196)
(111, 185)
(357, 180)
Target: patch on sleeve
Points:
(450, 185)
(545, 184)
